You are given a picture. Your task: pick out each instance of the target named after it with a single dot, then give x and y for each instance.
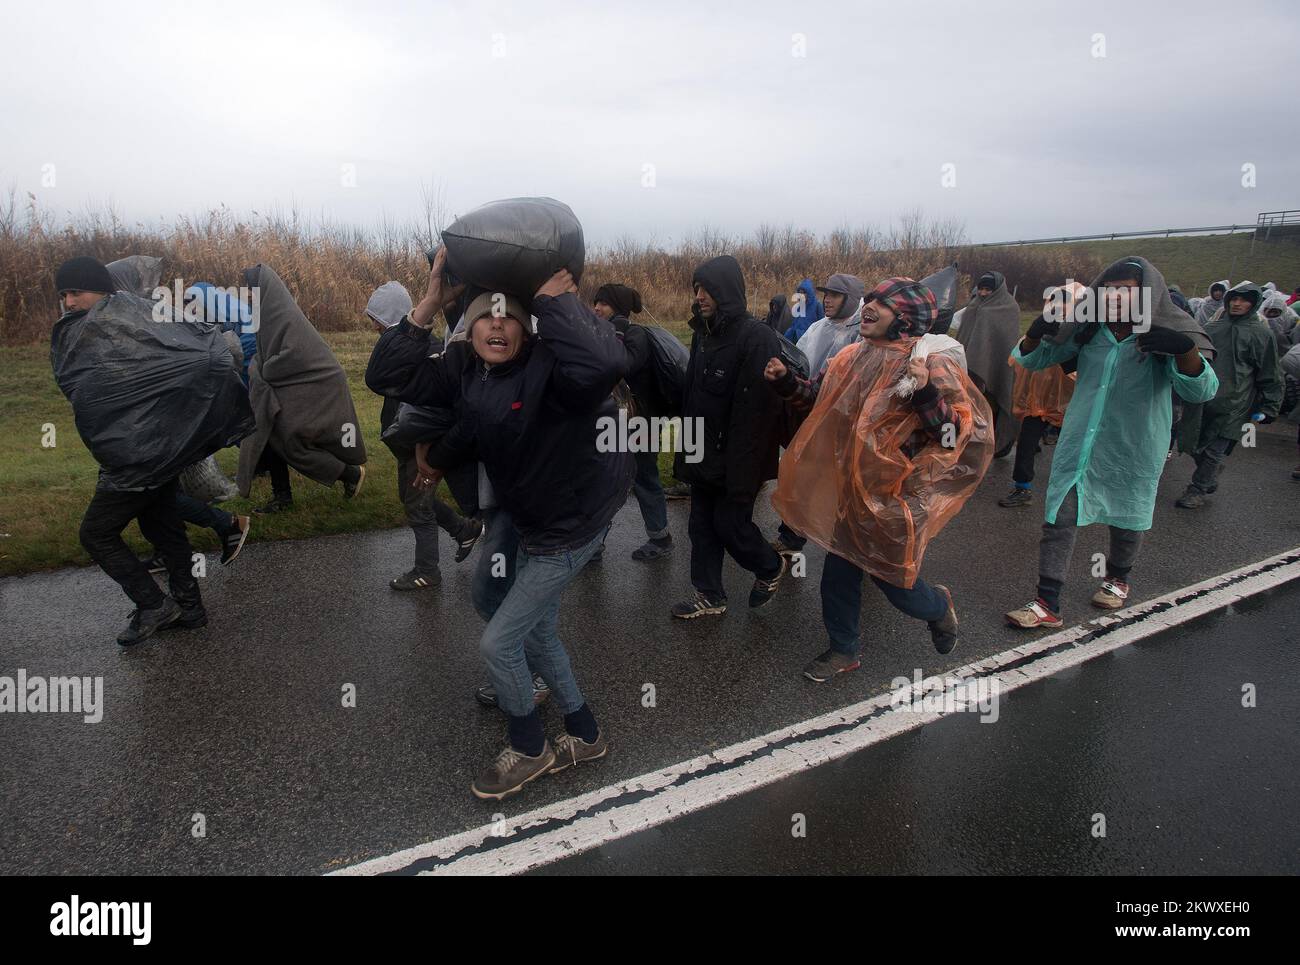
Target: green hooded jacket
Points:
(1115, 436)
(1250, 380)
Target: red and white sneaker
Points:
(1034, 615)
(1112, 595)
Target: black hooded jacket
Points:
(533, 421)
(725, 387)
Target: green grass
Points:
(44, 491)
(1195, 263)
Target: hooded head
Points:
(1163, 312)
(1218, 289)
(723, 282)
(81, 282)
(850, 289)
(625, 301)
(990, 281)
(911, 304)
(207, 303)
(779, 317)
(389, 304)
(498, 327)
(1245, 291)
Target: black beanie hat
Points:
(987, 280)
(624, 300)
(83, 274)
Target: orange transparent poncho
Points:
(847, 485)
(1044, 393)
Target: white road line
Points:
(578, 824)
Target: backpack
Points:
(670, 358)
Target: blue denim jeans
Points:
(522, 638)
(649, 492)
(494, 573)
(842, 602)
(203, 514)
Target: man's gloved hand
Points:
(1164, 341)
(1040, 327)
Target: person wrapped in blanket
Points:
(895, 439)
(1038, 400)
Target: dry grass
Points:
(332, 269)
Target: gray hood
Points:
(390, 302)
(1164, 313)
(851, 287)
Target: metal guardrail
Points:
(1153, 233)
(1266, 221)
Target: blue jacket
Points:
(813, 311)
(224, 309)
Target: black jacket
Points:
(641, 378)
(532, 422)
(725, 387)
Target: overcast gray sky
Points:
(816, 114)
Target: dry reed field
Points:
(333, 268)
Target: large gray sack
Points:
(514, 246)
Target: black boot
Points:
(186, 595)
(278, 504)
(145, 622)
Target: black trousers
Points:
(719, 525)
(160, 522)
(274, 463)
(1031, 431)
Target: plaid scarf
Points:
(911, 302)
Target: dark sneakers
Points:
(353, 478)
(510, 771)
(233, 541)
(1017, 497)
(469, 534)
(571, 750)
(764, 590)
(1191, 499)
(698, 606)
(278, 504)
(944, 632)
(829, 664)
(653, 549)
(416, 580)
(677, 491)
(487, 696)
(146, 622)
(784, 548)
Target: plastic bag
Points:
(670, 361)
(1043, 394)
(943, 283)
(417, 423)
(848, 485)
(793, 357)
(206, 482)
(149, 398)
(514, 246)
(137, 274)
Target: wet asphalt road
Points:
(1153, 736)
(243, 722)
